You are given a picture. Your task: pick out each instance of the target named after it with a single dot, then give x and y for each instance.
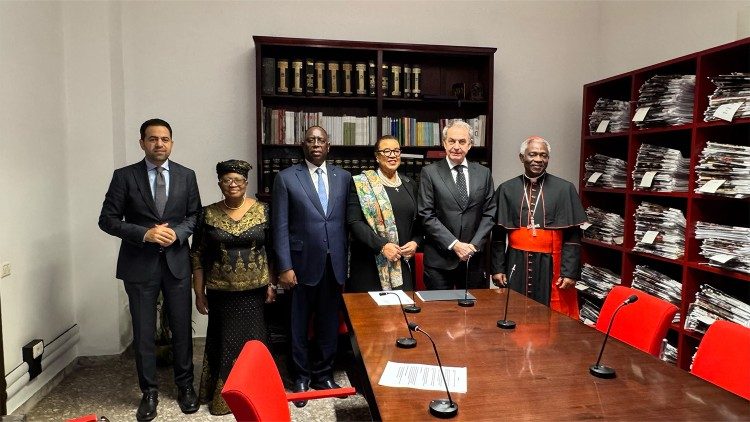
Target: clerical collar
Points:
(534, 179)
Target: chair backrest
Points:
(642, 324)
(419, 271)
(723, 357)
(253, 390)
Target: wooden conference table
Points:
(538, 371)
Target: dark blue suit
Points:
(313, 243)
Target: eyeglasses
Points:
(390, 152)
(317, 140)
(239, 181)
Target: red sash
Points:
(550, 242)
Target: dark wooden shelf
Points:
(651, 130)
(608, 135)
(604, 190)
(664, 194)
(722, 123)
(703, 266)
(657, 257)
(602, 244)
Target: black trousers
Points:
(440, 279)
(142, 296)
(321, 302)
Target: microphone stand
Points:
(403, 342)
(603, 371)
(466, 302)
(413, 308)
(440, 408)
(504, 323)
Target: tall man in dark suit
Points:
(457, 211)
(309, 236)
(152, 206)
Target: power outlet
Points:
(5, 271)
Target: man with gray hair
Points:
(540, 214)
(457, 209)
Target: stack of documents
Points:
(597, 281)
(604, 226)
(657, 284)
(668, 353)
(609, 116)
(724, 169)
(712, 304)
(731, 90)
(724, 246)
(589, 313)
(659, 230)
(660, 169)
(669, 99)
(606, 172)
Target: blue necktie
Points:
(322, 190)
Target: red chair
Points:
(642, 324)
(419, 271)
(723, 357)
(254, 391)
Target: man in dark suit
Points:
(153, 206)
(457, 211)
(309, 235)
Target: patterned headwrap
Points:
(233, 166)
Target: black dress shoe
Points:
(147, 408)
(324, 384)
(187, 399)
(300, 387)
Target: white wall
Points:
(78, 78)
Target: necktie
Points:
(461, 185)
(160, 193)
(322, 195)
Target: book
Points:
(407, 81)
(333, 79)
(361, 76)
(371, 76)
(346, 75)
(268, 75)
(309, 77)
(395, 81)
(384, 79)
(282, 68)
(416, 72)
(296, 76)
(320, 88)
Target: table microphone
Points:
(403, 342)
(466, 302)
(413, 308)
(603, 371)
(505, 323)
(440, 408)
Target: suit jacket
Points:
(129, 211)
(303, 233)
(445, 219)
(366, 244)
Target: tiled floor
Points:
(108, 386)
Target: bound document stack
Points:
(659, 231)
(724, 246)
(597, 281)
(605, 227)
(669, 99)
(712, 304)
(606, 172)
(615, 112)
(660, 169)
(589, 312)
(668, 353)
(732, 92)
(657, 284)
(724, 169)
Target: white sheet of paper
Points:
(711, 186)
(581, 287)
(727, 111)
(423, 377)
(618, 240)
(640, 114)
(585, 225)
(602, 126)
(390, 299)
(648, 179)
(594, 177)
(650, 236)
(722, 258)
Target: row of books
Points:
(712, 304)
(411, 132)
(410, 167)
(284, 127)
(334, 78)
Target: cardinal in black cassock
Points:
(540, 214)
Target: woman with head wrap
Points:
(231, 277)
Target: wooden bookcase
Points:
(441, 67)
(690, 140)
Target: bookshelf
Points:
(445, 74)
(690, 139)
